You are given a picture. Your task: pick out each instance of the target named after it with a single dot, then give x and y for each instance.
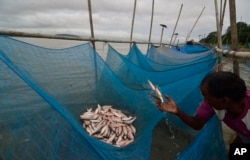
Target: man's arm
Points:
(170, 106)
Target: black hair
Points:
(225, 84)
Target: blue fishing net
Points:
(164, 55)
(134, 71)
(196, 48)
(43, 92)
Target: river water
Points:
(167, 141)
(123, 48)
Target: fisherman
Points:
(191, 42)
(226, 95)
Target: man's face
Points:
(216, 103)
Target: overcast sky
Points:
(113, 18)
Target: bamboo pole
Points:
(176, 25)
(219, 43)
(233, 25)
(233, 53)
(222, 15)
(195, 23)
(234, 35)
(78, 38)
(152, 17)
(68, 37)
(162, 30)
(220, 9)
(91, 24)
(176, 34)
(132, 25)
(219, 25)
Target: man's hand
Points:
(168, 106)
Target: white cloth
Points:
(220, 113)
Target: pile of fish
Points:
(109, 125)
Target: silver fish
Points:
(109, 125)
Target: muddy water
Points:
(168, 142)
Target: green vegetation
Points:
(243, 30)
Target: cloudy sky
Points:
(113, 18)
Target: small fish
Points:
(151, 85)
(109, 125)
(158, 94)
(130, 121)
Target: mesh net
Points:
(43, 91)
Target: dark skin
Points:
(234, 108)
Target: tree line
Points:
(243, 31)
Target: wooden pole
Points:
(161, 36)
(222, 15)
(195, 24)
(219, 24)
(162, 30)
(65, 37)
(234, 35)
(220, 9)
(219, 43)
(176, 25)
(152, 15)
(233, 53)
(176, 34)
(132, 25)
(91, 24)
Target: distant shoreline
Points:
(68, 35)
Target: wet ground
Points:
(168, 142)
